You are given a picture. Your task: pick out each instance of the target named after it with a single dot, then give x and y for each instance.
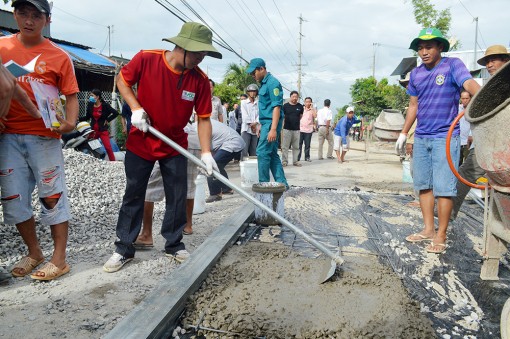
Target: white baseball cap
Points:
(349, 109)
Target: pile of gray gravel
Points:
(87, 302)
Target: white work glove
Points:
(400, 144)
(209, 162)
(140, 119)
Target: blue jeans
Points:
(268, 158)
(430, 168)
(138, 171)
(25, 161)
(222, 158)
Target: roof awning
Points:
(82, 57)
(87, 57)
(405, 66)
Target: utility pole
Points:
(373, 59)
(110, 32)
(299, 53)
(476, 43)
(109, 39)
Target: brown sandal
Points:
(50, 272)
(27, 264)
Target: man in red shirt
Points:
(170, 86)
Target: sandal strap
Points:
(26, 263)
(48, 269)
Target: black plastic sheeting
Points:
(451, 293)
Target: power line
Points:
(239, 17)
(248, 16)
(168, 9)
(108, 35)
(223, 45)
(285, 22)
(260, 36)
(223, 42)
(478, 29)
(77, 17)
(391, 46)
(217, 23)
(466, 9)
(275, 30)
(176, 9)
(483, 40)
(274, 54)
(288, 30)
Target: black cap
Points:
(42, 5)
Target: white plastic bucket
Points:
(406, 171)
(249, 172)
(199, 204)
(271, 195)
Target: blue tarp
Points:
(82, 55)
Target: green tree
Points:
(426, 15)
(120, 137)
(340, 112)
(227, 93)
(395, 96)
(370, 96)
(366, 93)
(236, 76)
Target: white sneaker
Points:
(180, 256)
(115, 263)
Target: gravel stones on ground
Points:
(87, 302)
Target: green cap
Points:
(430, 34)
(254, 64)
(195, 37)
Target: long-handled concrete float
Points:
(329, 267)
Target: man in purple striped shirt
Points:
(434, 88)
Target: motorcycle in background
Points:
(357, 134)
(83, 140)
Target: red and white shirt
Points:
(168, 107)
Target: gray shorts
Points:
(155, 191)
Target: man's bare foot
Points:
(414, 203)
(144, 240)
(26, 265)
(417, 237)
(187, 230)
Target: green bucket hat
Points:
(195, 37)
(430, 34)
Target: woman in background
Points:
(100, 114)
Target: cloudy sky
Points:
(339, 40)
